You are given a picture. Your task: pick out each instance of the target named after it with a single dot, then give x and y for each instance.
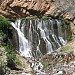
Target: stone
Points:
(65, 9)
(23, 73)
(74, 21)
(73, 73)
(60, 73)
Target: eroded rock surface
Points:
(23, 8)
(28, 8)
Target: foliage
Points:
(11, 56)
(66, 30)
(10, 53)
(6, 33)
(4, 24)
(46, 64)
(17, 61)
(3, 21)
(5, 29)
(66, 49)
(12, 59)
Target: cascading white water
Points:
(27, 42)
(48, 44)
(31, 33)
(24, 46)
(62, 41)
(60, 33)
(32, 39)
(24, 49)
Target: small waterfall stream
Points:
(43, 35)
(38, 37)
(24, 49)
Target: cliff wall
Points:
(28, 8)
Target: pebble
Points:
(60, 72)
(25, 73)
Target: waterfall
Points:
(24, 49)
(43, 35)
(37, 37)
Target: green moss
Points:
(29, 18)
(32, 18)
(18, 62)
(66, 49)
(23, 18)
(45, 18)
(66, 29)
(46, 64)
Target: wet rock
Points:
(42, 46)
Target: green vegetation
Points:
(66, 49)
(17, 61)
(4, 21)
(29, 18)
(5, 34)
(12, 59)
(45, 17)
(4, 24)
(11, 56)
(4, 27)
(66, 30)
(46, 64)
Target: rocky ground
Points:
(55, 63)
(23, 65)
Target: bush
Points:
(5, 29)
(6, 32)
(4, 24)
(4, 21)
(11, 56)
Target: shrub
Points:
(4, 21)
(4, 24)
(11, 56)
(5, 29)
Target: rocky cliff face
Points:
(39, 8)
(23, 8)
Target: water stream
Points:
(37, 37)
